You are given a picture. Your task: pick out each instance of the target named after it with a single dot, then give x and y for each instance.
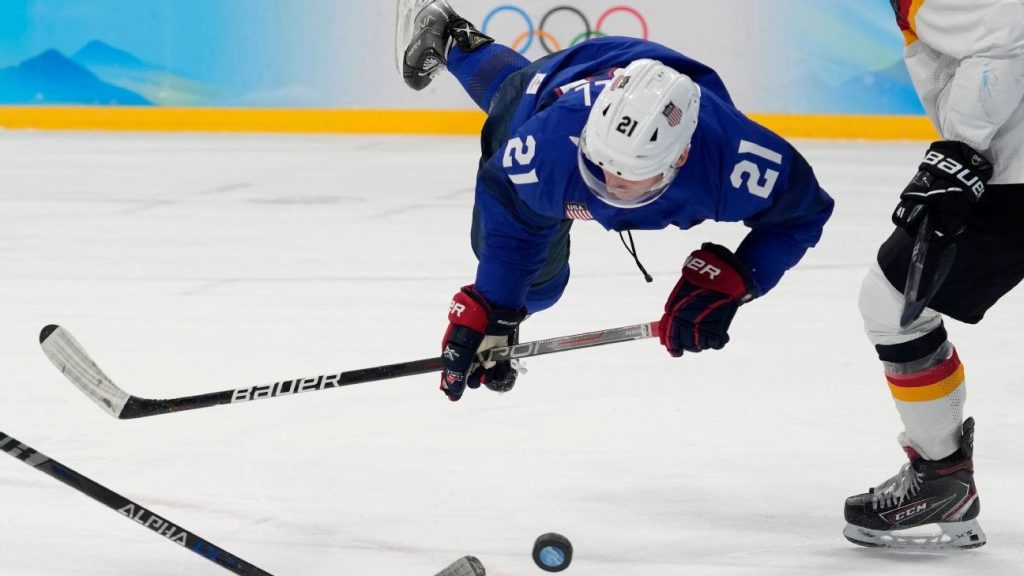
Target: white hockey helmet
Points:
(638, 128)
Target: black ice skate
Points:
(426, 30)
(939, 495)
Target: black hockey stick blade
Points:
(914, 273)
(465, 566)
(78, 366)
(912, 305)
(912, 310)
(125, 507)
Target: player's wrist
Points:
(472, 309)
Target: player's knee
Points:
(878, 301)
(881, 305)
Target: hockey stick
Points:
(912, 305)
(128, 508)
(465, 566)
(75, 363)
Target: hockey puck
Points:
(552, 552)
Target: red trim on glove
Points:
(696, 323)
(669, 319)
(706, 269)
(466, 311)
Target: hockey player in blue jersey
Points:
(622, 131)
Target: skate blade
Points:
(406, 12)
(949, 536)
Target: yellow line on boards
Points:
(866, 127)
(242, 120)
(441, 122)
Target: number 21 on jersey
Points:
(759, 183)
(519, 152)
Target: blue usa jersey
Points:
(737, 171)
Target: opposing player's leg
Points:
(430, 36)
(927, 382)
(926, 379)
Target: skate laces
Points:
(892, 492)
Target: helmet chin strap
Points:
(631, 248)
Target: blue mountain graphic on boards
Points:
(160, 85)
(99, 74)
(98, 54)
(53, 78)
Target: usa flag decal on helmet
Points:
(674, 114)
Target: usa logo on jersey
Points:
(577, 211)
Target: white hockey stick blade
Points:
(465, 566)
(74, 362)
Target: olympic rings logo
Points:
(524, 40)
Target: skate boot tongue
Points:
(912, 454)
(895, 490)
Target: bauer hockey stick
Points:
(125, 507)
(75, 363)
(912, 305)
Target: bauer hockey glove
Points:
(703, 303)
(949, 182)
(473, 327)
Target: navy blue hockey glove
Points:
(473, 327)
(949, 182)
(703, 303)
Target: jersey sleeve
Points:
(770, 187)
(781, 233)
(520, 193)
(967, 63)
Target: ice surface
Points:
(195, 263)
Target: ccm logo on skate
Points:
(954, 168)
(905, 513)
(702, 267)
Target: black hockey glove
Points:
(475, 326)
(703, 303)
(949, 182)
